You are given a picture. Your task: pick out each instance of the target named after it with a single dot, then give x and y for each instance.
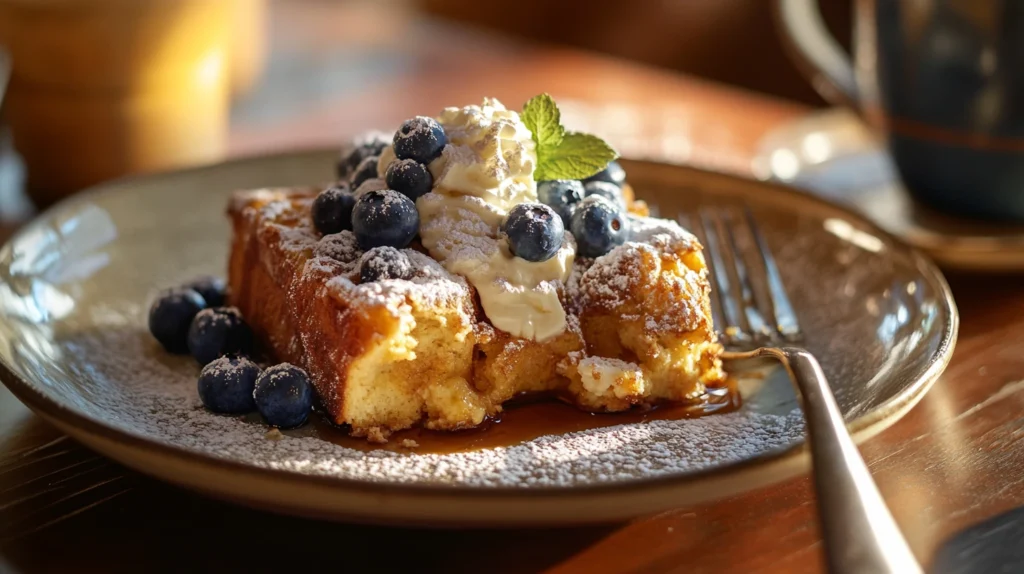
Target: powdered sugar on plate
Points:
(134, 386)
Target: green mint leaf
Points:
(562, 154)
(543, 119)
(576, 157)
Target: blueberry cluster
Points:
(193, 319)
(593, 210)
(378, 217)
(363, 148)
(417, 142)
(172, 314)
(382, 217)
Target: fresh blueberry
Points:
(534, 231)
(213, 289)
(562, 195)
(598, 225)
(367, 145)
(612, 173)
(332, 210)
(367, 169)
(384, 217)
(284, 395)
(219, 331)
(609, 191)
(409, 177)
(420, 139)
(170, 316)
(385, 262)
(226, 385)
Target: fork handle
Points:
(859, 532)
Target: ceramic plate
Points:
(75, 286)
(833, 155)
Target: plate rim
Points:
(795, 457)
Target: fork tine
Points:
(735, 330)
(759, 329)
(695, 227)
(784, 316)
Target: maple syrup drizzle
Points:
(527, 418)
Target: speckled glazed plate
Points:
(74, 288)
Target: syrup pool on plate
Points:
(525, 419)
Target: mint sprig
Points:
(544, 121)
(576, 157)
(562, 154)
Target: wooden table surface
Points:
(954, 460)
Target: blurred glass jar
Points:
(248, 44)
(103, 88)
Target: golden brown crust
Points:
(260, 270)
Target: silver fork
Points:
(754, 318)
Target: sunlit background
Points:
(105, 88)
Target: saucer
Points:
(832, 154)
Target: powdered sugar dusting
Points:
(643, 229)
(430, 286)
(143, 391)
(341, 247)
(335, 258)
(416, 129)
(630, 272)
(463, 234)
(426, 282)
(296, 238)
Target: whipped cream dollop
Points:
(486, 169)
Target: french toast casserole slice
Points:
(388, 355)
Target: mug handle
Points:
(819, 56)
(5, 73)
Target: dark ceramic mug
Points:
(942, 81)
